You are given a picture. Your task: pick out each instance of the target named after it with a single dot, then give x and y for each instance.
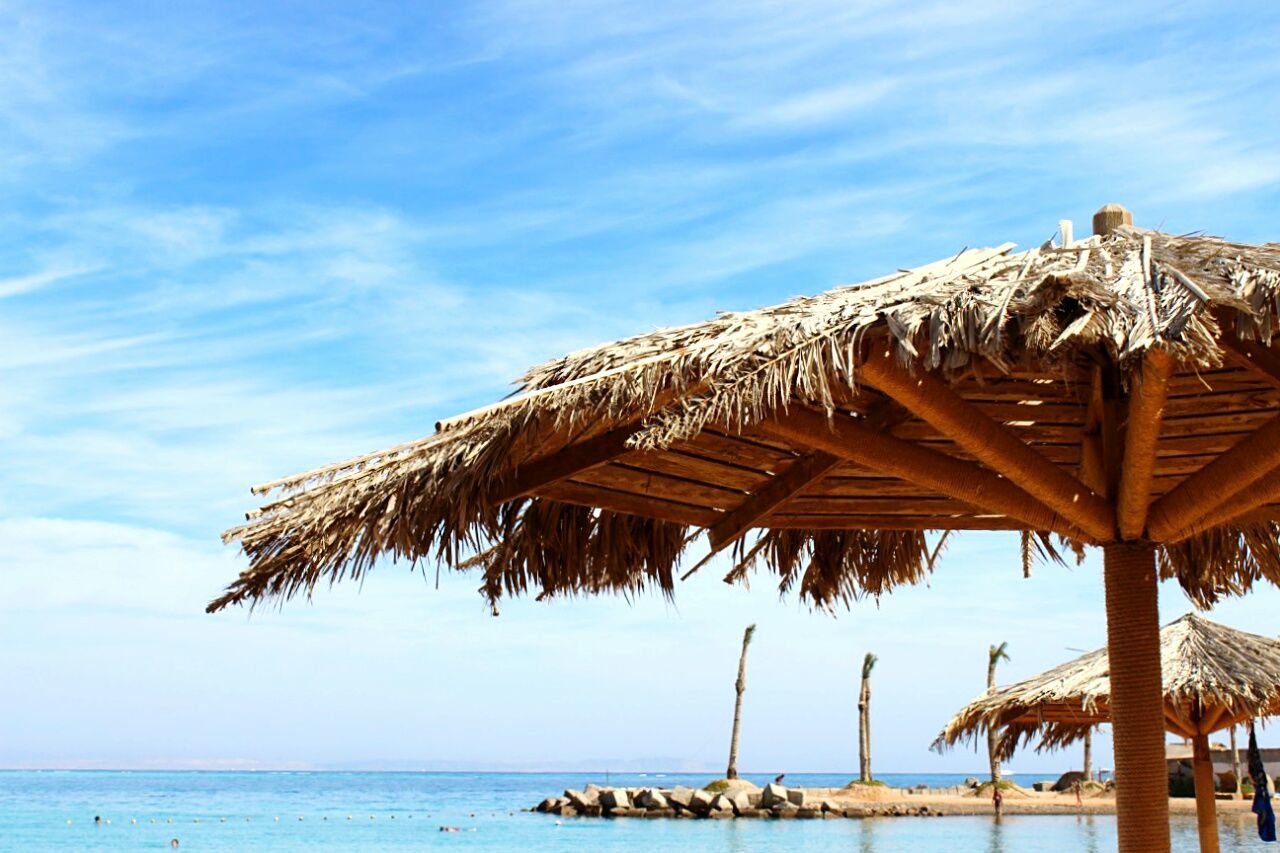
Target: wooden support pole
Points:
(1137, 697)
(1206, 805)
(1142, 431)
(1229, 474)
(933, 401)
(845, 437)
(803, 472)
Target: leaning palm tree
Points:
(864, 719)
(740, 686)
(994, 655)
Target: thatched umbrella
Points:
(1214, 677)
(1118, 391)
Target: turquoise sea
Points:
(283, 811)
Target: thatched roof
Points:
(1213, 677)
(596, 475)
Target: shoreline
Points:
(746, 801)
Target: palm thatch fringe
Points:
(449, 497)
(1204, 664)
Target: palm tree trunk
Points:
(864, 731)
(1235, 765)
(1088, 756)
(740, 687)
(864, 720)
(993, 733)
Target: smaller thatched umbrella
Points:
(1214, 677)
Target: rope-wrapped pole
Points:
(1206, 807)
(1137, 700)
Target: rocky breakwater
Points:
(732, 800)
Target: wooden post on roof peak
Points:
(1110, 217)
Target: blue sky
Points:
(240, 241)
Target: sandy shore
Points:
(856, 801)
(1019, 802)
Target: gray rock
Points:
(722, 806)
(786, 810)
(700, 802)
(648, 798)
(680, 796)
(971, 782)
(1042, 786)
(546, 805)
(796, 797)
(623, 811)
(808, 812)
(582, 799)
(615, 798)
(772, 795)
(740, 801)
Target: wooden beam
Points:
(847, 438)
(893, 522)
(1261, 360)
(933, 401)
(804, 471)
(1142, 431)
(1211, 720)
(568, 461)
(1093, 463)
(1243, 507)
(616, 500)
(1177, 725)
(1226, 476)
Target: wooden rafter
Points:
(1241, 508)
(804, 471)
(1261, 360)
(844, 437)
(884, 415)
(894, 522)
(568, 461)
(1142, 431)
(1226, 476)
(1093, 463)
(933, 401)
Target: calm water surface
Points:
(403, 811)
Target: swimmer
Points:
(173, 842)
(450, 829)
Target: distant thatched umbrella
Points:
(1118, 391)
(1214, 677)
